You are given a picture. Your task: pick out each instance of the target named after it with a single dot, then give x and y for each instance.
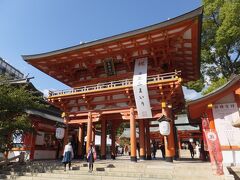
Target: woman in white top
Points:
(91, 156)
(197, 148)
(67, 155)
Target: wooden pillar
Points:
(80, 140)
(147, 142)
(142, 139)
(65, 139)
(210, 116)
(113, 148)
(93, 133)
(133, 135)
(179, 146)
(169, 140)
(103, 138)
(89, 131)
(33, 142)
(237, 97)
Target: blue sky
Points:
(37, 26)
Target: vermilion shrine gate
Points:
(100, 74)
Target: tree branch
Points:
(235, 60)
(226, 54)
(215, 20)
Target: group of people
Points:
(68, 155)
(155, 146)
(194, 148)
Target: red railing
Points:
(114, 84)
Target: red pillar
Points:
(142, 139)
(103, 138)
(113, 148)
(93, 134)
(89, 131)
(33, 142)
(65, 139)
(147, 142)
(169, 140)
(133, 135)
(80, 140)
(210, 117)
(179, 146)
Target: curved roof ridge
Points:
(188, 15)
(233, 80)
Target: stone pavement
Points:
(120, 169)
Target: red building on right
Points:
(221, 110)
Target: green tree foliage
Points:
(196, 85)
(220, 50)
(215, 85)
(14, 100)
(221, 37)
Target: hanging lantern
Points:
(60, 133)
(164, 128)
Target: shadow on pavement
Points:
(236, 177)
(190, 160)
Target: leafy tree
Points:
(14, 101)
(215, 85)
(220, 51)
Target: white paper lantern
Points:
(60, 133)
(164, 128)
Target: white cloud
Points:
(191, 94)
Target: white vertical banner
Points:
(140, 89)
(224, 115)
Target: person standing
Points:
(138, 149)
(162, 147)
(154, 149)
(122, 151)
(91, 157)
(67, 155)
(197, 149)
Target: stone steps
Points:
(116, 170)
(115, 173)
(82, 174)
(87, 177)
(98, 176)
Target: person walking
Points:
(67, 155)
(91, 157)
(126, 149)
(190, 147)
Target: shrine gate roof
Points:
(171, 45)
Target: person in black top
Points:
(190, 147)
(154, 149)
(162, 147)
(138, 149)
